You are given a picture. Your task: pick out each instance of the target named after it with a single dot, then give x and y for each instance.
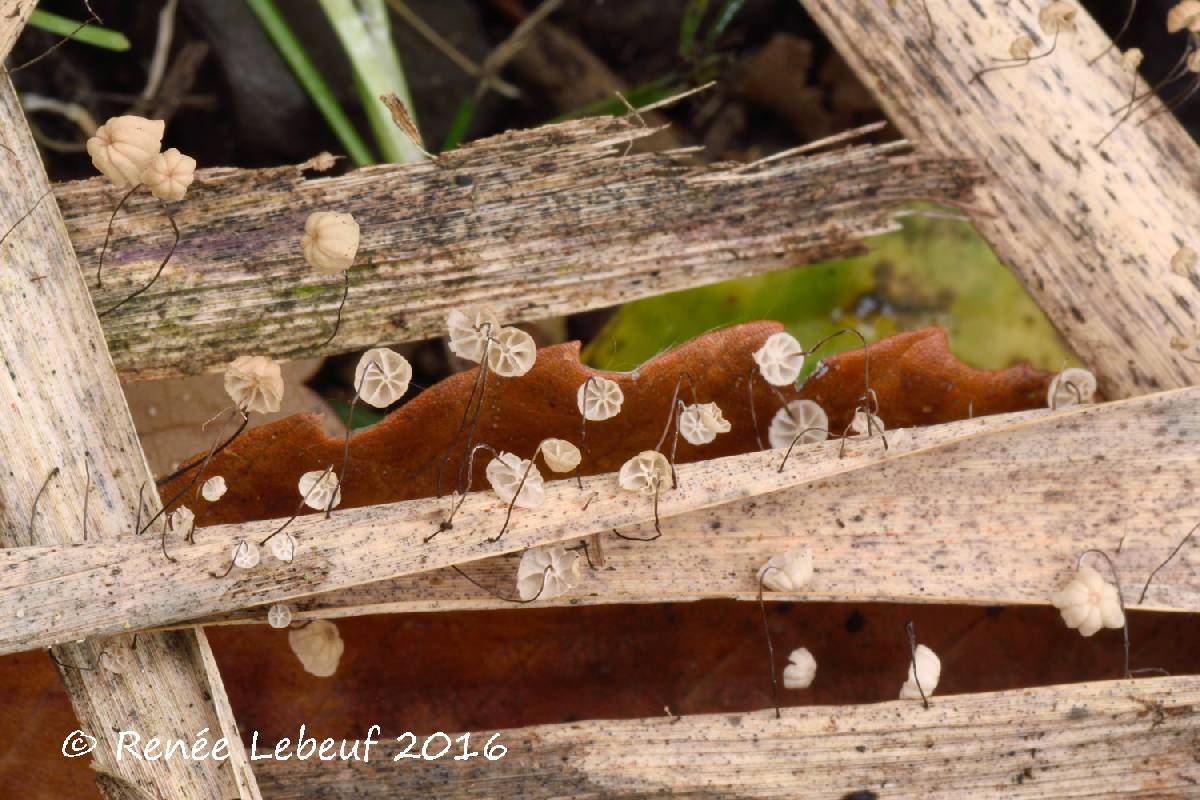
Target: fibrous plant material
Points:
(465, 232)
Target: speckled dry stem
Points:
(538, 223)
(65, 410)
(13, 15)
(1106, 739)
(996, 520)
(76, 590)
(1089, 231)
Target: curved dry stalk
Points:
(762, 607)
(676, 409)
(448, 522)
(796, 439)
(498, 596)
(158, 272)
(337, 324)
(912, 649)
(1120, 597)
(108, 232)
(1167, 560)
(1117, 37)
(1008, 63)
(24, 216)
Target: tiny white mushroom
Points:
(700, 423)
(559, 566)
(512, 353)
(319, 647)
(255, 383)
(560, 455)
(1071, 387)
(181, 521)
(469, 331)
(330, 241)
(645, 473)
(279, 616)
(796, 417)
(1089, 603)
(213, 489)
(1057, 17)
(928, 672)
(505, 472)
(780, 359)
(1184, 15)
(1021, 47)
(866, 423)
(122, 146)
(283, 547)
(788, 572)
(599, 399)
(169, 174)
(801, 669)
(382, 377)
(320, 489)
(246, 555)
(1131, 59)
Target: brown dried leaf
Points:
(917, 381)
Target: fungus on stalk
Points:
(330, 243)
(1055, 18)
(518, 482)
(645, 474)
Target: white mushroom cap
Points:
(469, 330)
(246, 555)
(866, 424)
(801, 669)
(320, 489)
(1057, 17)
(797, 416)
(1071, 386)
(1089, 603)
(780, 359)
(169, 174)
(700, 423)
(123, 146)
(382, 377)
(213, 489)
(788, 572)
(599, 399)
(505, 472)
(928, 671)
(181, 520)
(1132, 58)
(279, 616)
(1184, 15)
(330, 241)
(560, 455)
(319, 647)
(563, 566)
(283, 547)
(255, 383)
(512, 353)
(645, 473)
(1021, 47)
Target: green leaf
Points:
(693, 14)
(94, 35)
(725, 15)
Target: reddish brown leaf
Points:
(915, 377)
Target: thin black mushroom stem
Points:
(762, 607)
(673, 419)
(498, 596)
(1167, 560)
(91, 17)
(657, 522)
(797, 438)
(583, 445)
(158, 272)
(37, 499)
(520, 486)
(1136, 101)
(474, 399)
(912, 651)
(24, 216)
(372, 364)
(1117, 37)
(1015, 63)
(1112, 567)
(448, 523)
(337, 323)
(1074, 389)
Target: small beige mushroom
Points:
(788, 572)
(505, 473)
(560, 455)
(512, 353)
(279, 616)
(559, 567)
(169, 174)
(283, 547)
(181, 521)
(1070, 387)
(319, 647)
(700, 423)
(330, 241)
(803, 418)
(123, 146)
(1057, 17)
(382, 377)
(1184, 15)
(255, 383)
(1131, 59)
(1089, 603)
(645, 473)
(780, 359)
(801, 669)
(865, 423)
(469, 331)
(599, 399)
(1021, 47)
(928, 671)
(320, 489)
(213, 489)
(246, 555)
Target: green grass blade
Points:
(103, 38)
(306, 72)
(693, 14)
(460, 123)
(725, 14)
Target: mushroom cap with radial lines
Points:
(560, 455)
(780, 359)
(279, 616)
(599, 399)
(181, 520)
(320, 489)
(255, 383)
(1057, 17)
(246, 555)
(796, 418)
(505, 473)
(1089, 603)
(645, 473)
(123, 146)
(559, 567)
(700, 423)
(801, 669)
(469, 330)
(382, 377)
(283, 547)
(169, 174)
(330, 241)
(512, 353)
(213, 489)
(788, 572)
